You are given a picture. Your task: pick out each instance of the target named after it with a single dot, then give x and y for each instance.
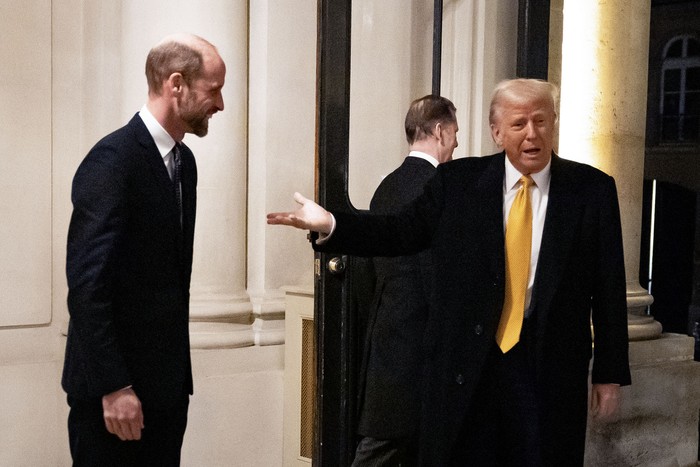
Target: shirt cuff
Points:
(323, 237)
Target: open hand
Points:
(309, 216)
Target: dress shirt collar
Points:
(424, 156)
(541, 178)
(163, 140)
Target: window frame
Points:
(682, 63)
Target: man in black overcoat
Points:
(393, 353)
(528, 405)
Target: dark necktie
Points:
(177, 178)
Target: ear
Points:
(175, 84)
(496, 135)
(437, 131)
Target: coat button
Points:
(459, 379)
(478, 329)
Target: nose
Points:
(531, 132)
(219, 102)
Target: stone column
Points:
(281, 125)
(603, 112)
(603, 117)
(220, 310)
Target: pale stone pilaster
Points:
(603, 112)
(220, 310)
(281, 129)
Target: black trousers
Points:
(92, 445)
(502, 427)
(371, 452)
(511, 422)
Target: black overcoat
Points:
(393, 353)
(580, 279)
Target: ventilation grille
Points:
(308, 388)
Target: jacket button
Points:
(459, 379)
(478, 329)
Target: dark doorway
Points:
(674, 212)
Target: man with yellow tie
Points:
(530, 246)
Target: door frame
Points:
(338, 342)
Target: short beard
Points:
(198, 123)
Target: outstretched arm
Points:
(309, 216)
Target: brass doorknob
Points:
(336, 265)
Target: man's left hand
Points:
(605, 402)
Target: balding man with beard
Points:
(127, 368)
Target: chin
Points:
(202, 129)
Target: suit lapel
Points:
(151, 153)
(158, 169)
(189, 190)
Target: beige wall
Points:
(392, 65)
(76, 73)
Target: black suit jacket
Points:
(129, 263)
(392, 361)
(580, 276)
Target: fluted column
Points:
(220, 310)
(603, 116)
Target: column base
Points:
(658, 424)
(640, 326)
(211, 335)
(221, 322)
(269, 313)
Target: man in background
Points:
(127, 367)
(393, 353)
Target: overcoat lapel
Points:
(491, 206)
(560, 226)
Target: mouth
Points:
(532, 151)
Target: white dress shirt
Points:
(164, 142)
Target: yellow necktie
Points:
(518, 244)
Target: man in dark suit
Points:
(525, 404)
(393, 353)
(127, 368)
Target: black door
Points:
(339, 324)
